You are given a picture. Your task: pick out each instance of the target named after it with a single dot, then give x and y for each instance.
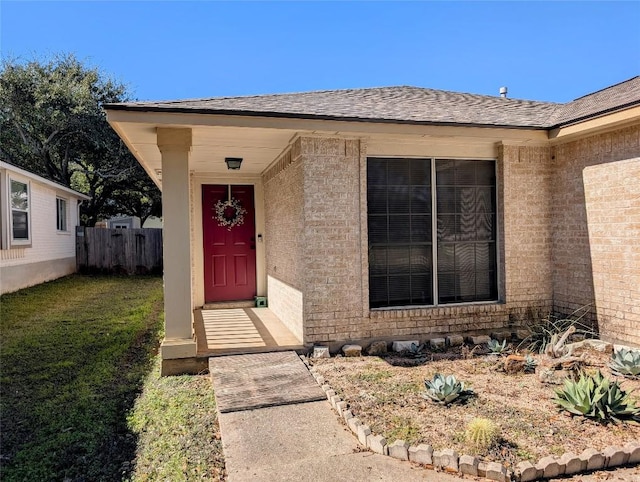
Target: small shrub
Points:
(482, 434)
(625, 362)
(595, 396)
(446, 389)
(497, 348)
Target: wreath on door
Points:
(229, 213)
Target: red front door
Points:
(229, 250)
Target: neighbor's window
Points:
(61, 214)
(421, 251)
(19, 211)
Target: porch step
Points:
(229, 305)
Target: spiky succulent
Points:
(482, 433)
(626, 362)
(530, 364)
(446, 389)
(497, 348)
(597, 397)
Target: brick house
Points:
(396, 212)
(38, 218)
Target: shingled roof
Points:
(405, 104)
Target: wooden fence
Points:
(119, 251)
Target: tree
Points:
(52, 123)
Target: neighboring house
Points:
(396, 212)
(37, 228)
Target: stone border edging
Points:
(450, 461)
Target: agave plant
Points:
(497, 348)
(596, 397)
(446, 389)
(625, 362)
(530, 364)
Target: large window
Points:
(432, 231)
(19, 212)
(61, 214)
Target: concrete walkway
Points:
(305, 442)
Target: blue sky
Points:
(169, 50)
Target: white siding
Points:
(47, 244)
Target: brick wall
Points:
(336, 249)
(333, 273)
(596, 236)
(286, 303)
(284, 238)
(524, 182)
(546, 261)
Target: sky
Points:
(551, 51)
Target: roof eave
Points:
(288, 115)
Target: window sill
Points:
(433, 307)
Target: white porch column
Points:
(175, 147)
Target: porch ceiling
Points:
(258, 147)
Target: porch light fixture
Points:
(233, 163)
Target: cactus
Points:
(446, 389)
(625, 362)
(482, 433)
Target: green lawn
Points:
(81, 399)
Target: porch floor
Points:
(231, 331)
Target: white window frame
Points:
(62, 225)
(19, 242)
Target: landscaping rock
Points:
(496, 471)
(377, 348)
(347, 414)
(341, 407)
(455, 340)
(404, 345)
(522, 334)
(592, 459)
(528, 472)
(399, 450)
(468, 465)
(422, 454)
(353, 424)
(363, 433)
(584, 346)
(551, 376)
(479, 339)
(320, 352)
(437, 343)
(633, 449)
(320, 380)
(447, 459)
(352, 350)
(482, 469)
(614, 456)
(378, 444)
(501, 335)
(550, 467)
(330, 393)
(514, 364)
(572, 463)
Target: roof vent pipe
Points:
(503, 92)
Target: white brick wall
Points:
(286, 303)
